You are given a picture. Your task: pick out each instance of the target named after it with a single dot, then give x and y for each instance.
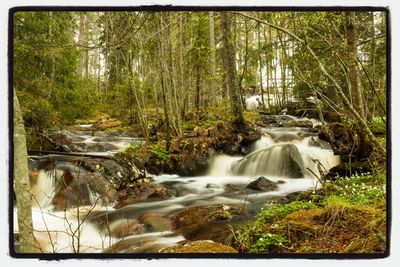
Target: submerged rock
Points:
(126, 227)
(205, 222)
(155, 222)
(278, 160)
(262, 184)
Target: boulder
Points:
(262, 184)
(278, 160)
(120, 171)
(143, 192)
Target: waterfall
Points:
(279, 160)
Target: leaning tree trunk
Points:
(354, 76)
(229, 62)
(21, 182)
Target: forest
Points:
(240, 132)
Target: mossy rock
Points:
(201, 246)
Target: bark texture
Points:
(21, 182)
(229, 62)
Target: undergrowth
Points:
(346, 215)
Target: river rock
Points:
(262, 184)
(200, 246)
(269, 119)
(230, 188)
(212, 186)
(191, 219)
(314, 113)
(126, 227)
(286, 137)
(155, 222)
(120, 171)
(143, 192)
(303, 123)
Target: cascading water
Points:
(278, 160)
(288, 157)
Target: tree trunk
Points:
(163, 83)
(354, 76)
(213, 61)
(229, 62)
(260, 66)
(21, 182)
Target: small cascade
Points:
(43, 187)
(317, 160)
(278, 160)
(220, 165)
(65, 185)
(262, 143)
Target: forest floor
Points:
(345, 216)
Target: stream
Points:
(289, 157)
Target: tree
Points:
(21, 182)
(355, 89)
(213, 61)
(230, 67)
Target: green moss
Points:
(161, 153)
(132, 148)
(251, 115)
(269, 243)
(268, 214)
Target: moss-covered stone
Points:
(201, 246)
